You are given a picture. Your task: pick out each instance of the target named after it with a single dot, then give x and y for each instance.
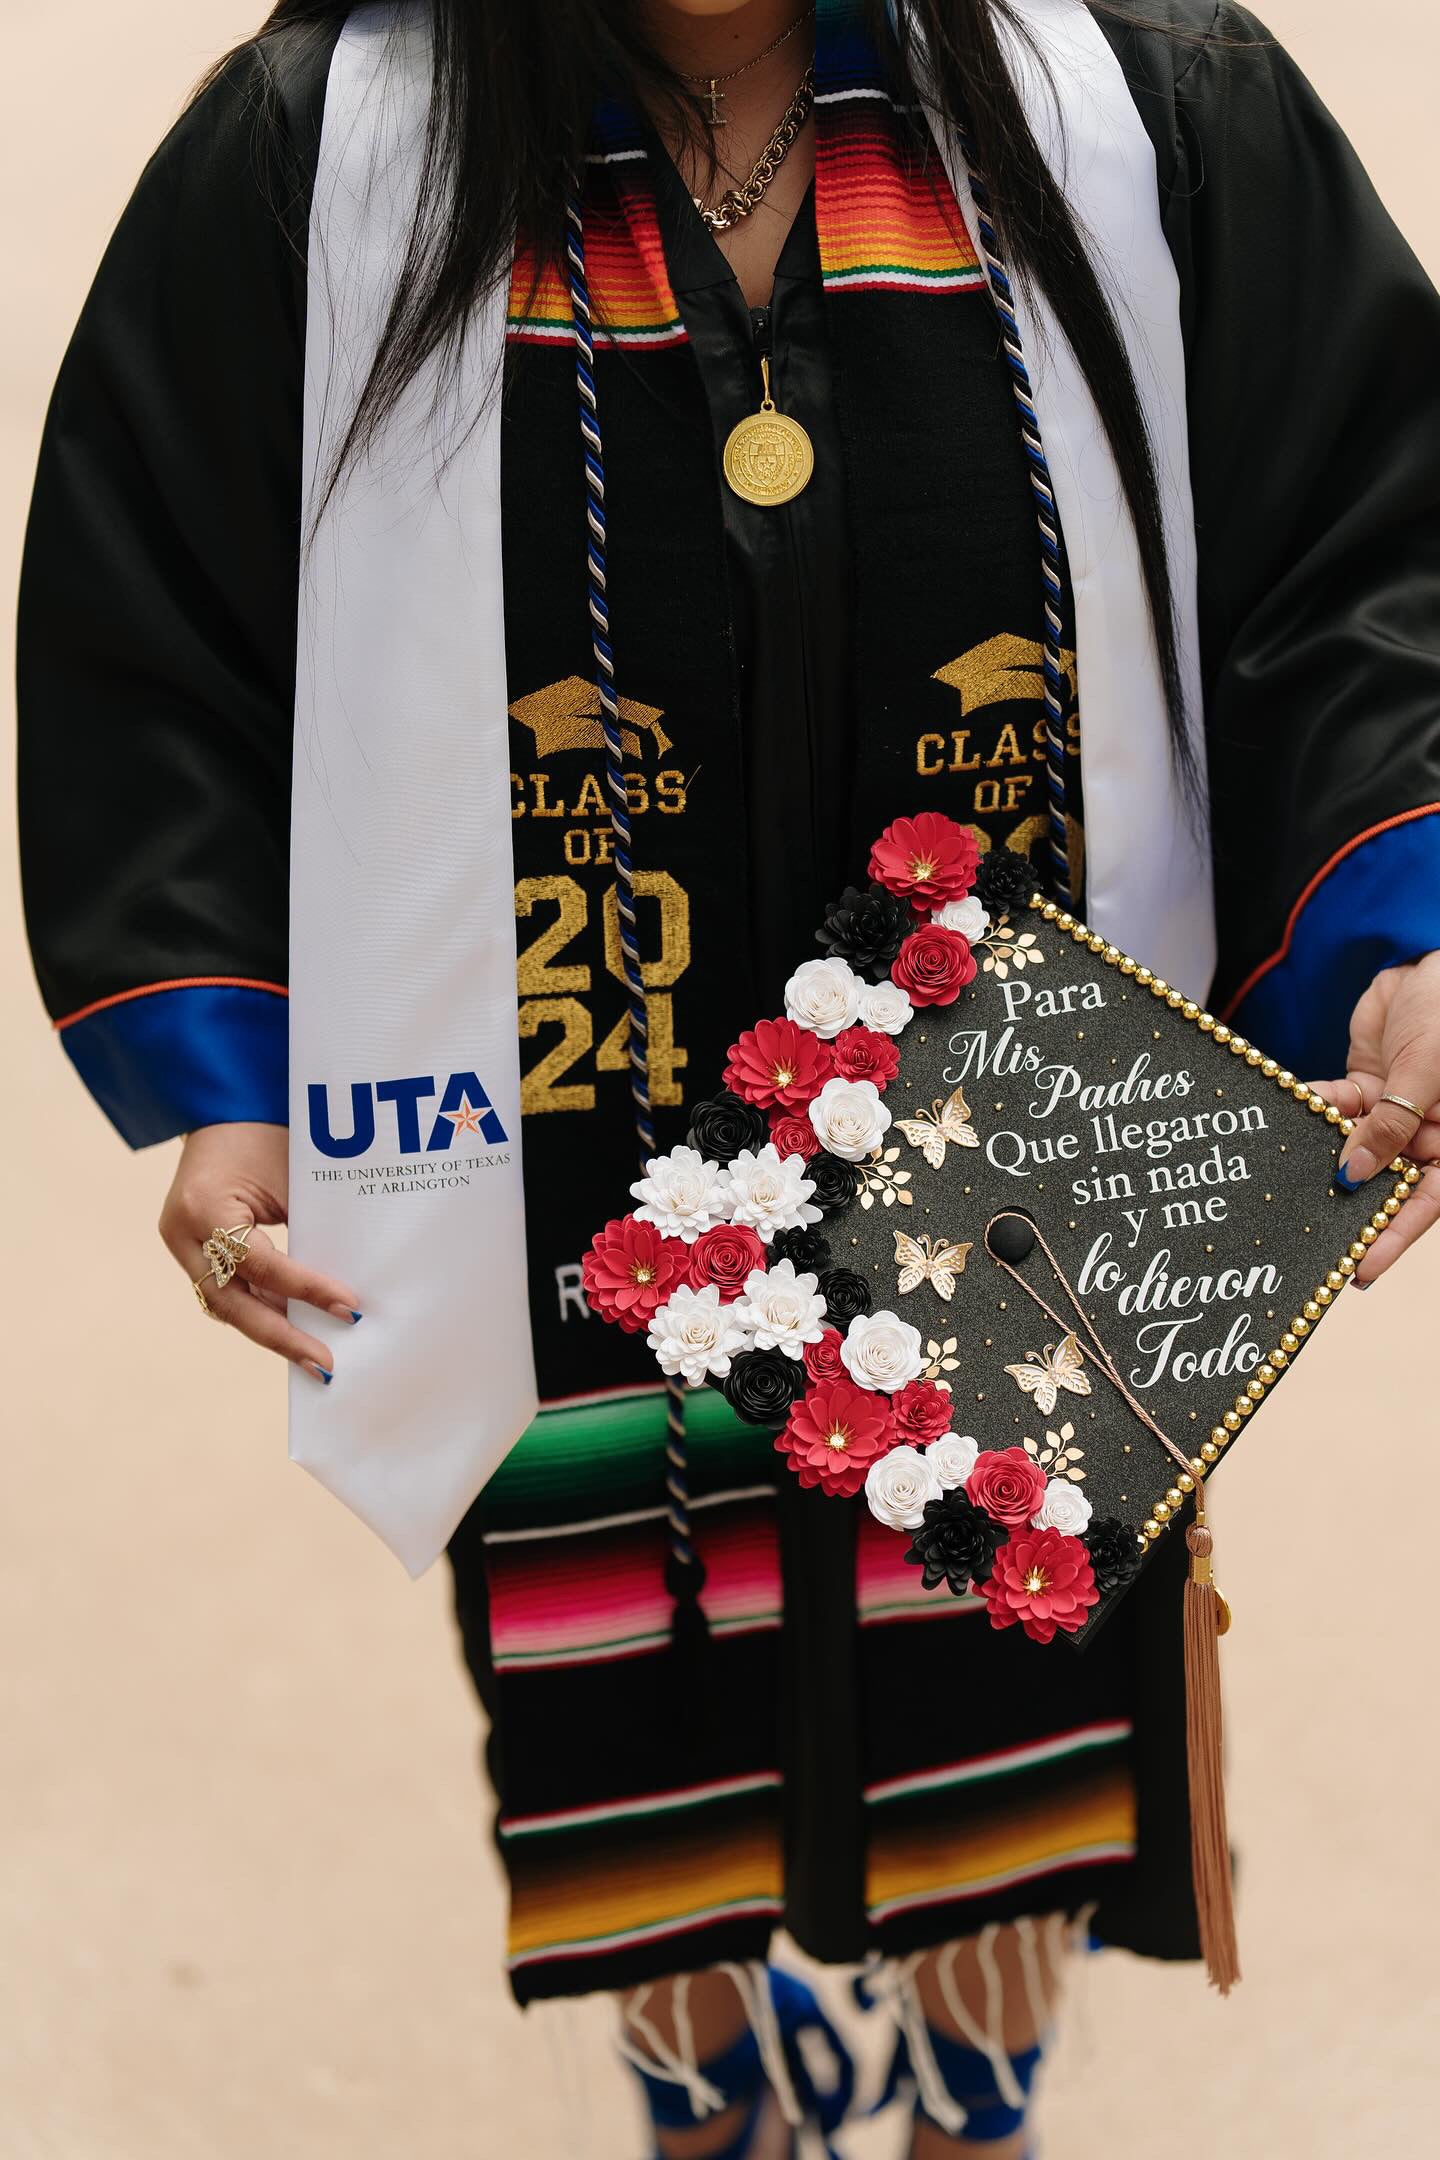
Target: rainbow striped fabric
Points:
(640, 1794)
(646, 1822)
(629, 285)
(642, 1818)
(1036, 1808)
(610, 1601)
(884, 225)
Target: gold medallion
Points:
(768, 456)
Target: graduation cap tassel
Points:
(1010, 1237)
(1207, 1617)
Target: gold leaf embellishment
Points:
(882, 1179)
(1059, 1457)
(1005, 948)
(940, 1359)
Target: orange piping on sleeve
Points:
(1405, 817)
(182, 982)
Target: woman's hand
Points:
(1394, 1050)
(234, 1174)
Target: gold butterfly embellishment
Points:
(1045, 1372)
(932, 1260)
(944, 1124)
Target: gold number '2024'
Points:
(549, 990)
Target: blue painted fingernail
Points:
(1356, 1168)
(318, 1371)
(357, 1316)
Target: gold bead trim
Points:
(1272, 1367)
(1171, 1503)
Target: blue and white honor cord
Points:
(686, 1565)
(1053, 680)
(686, 1572)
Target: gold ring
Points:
(225, 1249)
(1359, 1094)
(1403, 1102)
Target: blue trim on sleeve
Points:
(1379, 906)
(172, 1060)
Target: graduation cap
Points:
(1000, 1229)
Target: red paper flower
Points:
(1008, 1485)
(1043, 1580)
(630, 1271)
(823, 1360)
(922, 1413)
(863, 1053)
(926, 860)
(794, 1135)
(934, 965)
(834, 1434)
(724, 1256)
(776, 1062)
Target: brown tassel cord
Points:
(1207, 1617)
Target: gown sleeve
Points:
(156, 663)
(1313, 351)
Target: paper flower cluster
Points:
(722, 1267)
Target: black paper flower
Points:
(803, 1247)
(836, 1183)
(762, 1384)
(1004, 880)
(1114, 1553)
(721, 1127)
(865, 926)
(956, 1543)
(846, 1296)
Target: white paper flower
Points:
(849, 1118)
(885, 1007)
(967, 916)
(770, 1192)
(682, 1194)
(824, 996)
(898, 1485)
(952, 1457)
(781, 1310)
(692, 1333)
(1064, 1508)
(881, 1351)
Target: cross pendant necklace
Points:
(712, 90)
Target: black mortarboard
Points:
(1052, 1187)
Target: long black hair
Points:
(515, 83)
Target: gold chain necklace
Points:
(738, 202)
(712, 82)
(768, 457)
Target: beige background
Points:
(246, 1898)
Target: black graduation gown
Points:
(158, 626)
(158, 596)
